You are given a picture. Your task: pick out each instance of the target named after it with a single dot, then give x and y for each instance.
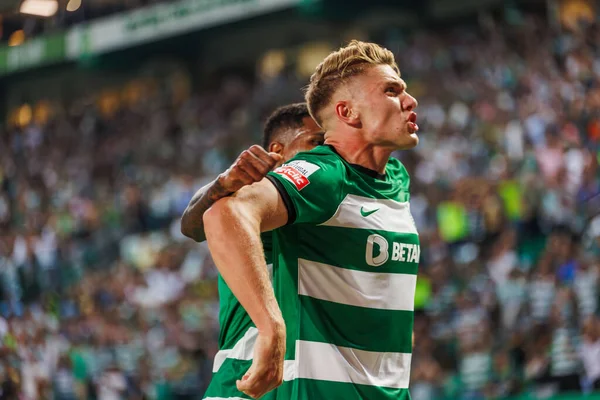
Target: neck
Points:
(356, 151)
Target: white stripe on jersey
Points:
(326, 362)
(244, 350)
(391, 216)
(375, 290)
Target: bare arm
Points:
(250, 167)
(233, 226)
(192, 225)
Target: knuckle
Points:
(233, 175)
(263, 170)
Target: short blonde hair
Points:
(340, 65)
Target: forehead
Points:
(309, 126)
(380, 74)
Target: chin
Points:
(410, 142)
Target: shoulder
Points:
(320, 165)
(322, 156)
(310, 185)
(395, 167)
(398, 172)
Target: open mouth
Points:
(412, 123)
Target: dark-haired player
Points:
(288, 131)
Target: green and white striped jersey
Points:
(236, 341)
(345, 270)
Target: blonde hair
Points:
(340, 65)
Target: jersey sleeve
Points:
(310, 186)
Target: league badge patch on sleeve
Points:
(297, 172)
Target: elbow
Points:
(224, 216)
(185, 226)
(215, 217)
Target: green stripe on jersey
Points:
(405, 260)
(223, 382)
(379, 330)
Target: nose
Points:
(409, 103)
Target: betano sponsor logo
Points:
(378, 251)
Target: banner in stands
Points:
(132, 28)
(162, 21)
(36, 52)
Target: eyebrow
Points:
(397, 83)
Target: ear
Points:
(347, 114)
(275, 147)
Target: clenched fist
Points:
(251, 166)
(266, 371)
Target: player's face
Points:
(305, 138)
(385, 108)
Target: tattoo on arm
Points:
(192, 225)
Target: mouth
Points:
(411, 121)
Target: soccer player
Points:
(346, 249)
(288, 131)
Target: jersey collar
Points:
(367, 171)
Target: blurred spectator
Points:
(112, 384)
(542, 291)
(590, 351)
(64, 386)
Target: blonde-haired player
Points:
(346, 250)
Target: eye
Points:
(391, 90)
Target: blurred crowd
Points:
(505, 192)
(102, 297)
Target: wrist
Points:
(274, 325)
(219, 189)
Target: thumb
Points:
(245, 378)
(244, 383)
